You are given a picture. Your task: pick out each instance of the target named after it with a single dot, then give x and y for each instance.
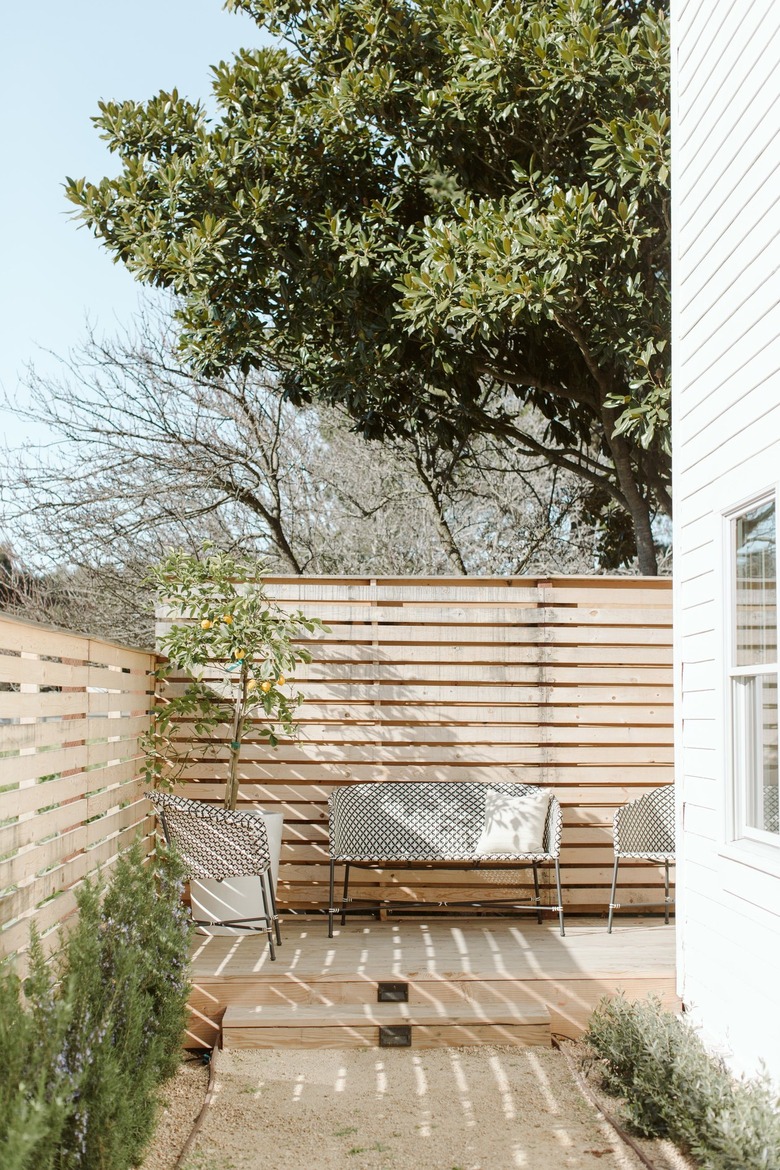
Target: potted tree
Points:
(237, 651)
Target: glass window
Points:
(754, 668)
(756, 580)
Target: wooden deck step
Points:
(385, 1025)
(481, 962)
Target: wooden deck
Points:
(467, 981)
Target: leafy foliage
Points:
(238, 645)
(433, 215)
(151, 457)
(126, 966)
(96, 1031)
(36, 1087)
(672, 1087)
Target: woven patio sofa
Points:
(456, 824)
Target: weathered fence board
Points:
(72, 709)
(564, 683)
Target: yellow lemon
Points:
(227, 618)
(239, 653)
(251, 685)
(266, 686)
(206, 624)
(281, 680)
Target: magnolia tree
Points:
(239, 650)
(448, 218)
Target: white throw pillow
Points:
(514, 824)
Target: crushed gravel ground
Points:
(181, 1100)
(487, 1108)
(496, 1108)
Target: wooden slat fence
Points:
(565, 683)
(72, 709)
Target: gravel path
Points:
(490, 1108)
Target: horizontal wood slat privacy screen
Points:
(565, 683)
(71, 792)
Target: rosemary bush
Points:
(672, 1087)
(101, 1029)
(36, 1089)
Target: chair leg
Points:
(666, 893)
(344, 895)
(274, 910)
(265, 886)
(612, 894)
(537, 899)
(331, 907)
(560, 898)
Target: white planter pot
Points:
(237, 897)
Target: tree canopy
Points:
(447, 216)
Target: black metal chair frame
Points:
(644, 829)
(417, 838)
(217, 843)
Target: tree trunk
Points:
(637, 505)
(231, 789)
(283, 545)
(451, 550)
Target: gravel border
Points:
(662, 1154)
(181, 1100)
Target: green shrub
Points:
(672, 1087)
(103, 1028)
(36, 1088)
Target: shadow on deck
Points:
(468, 981)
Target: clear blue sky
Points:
(59, 60)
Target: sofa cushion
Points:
(513, 824)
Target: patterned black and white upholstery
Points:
(771, 809)
(216, 843)
(425, 822)
(644, 828)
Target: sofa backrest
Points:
(419, 820)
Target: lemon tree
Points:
(238, 649)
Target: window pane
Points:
(756, 586)
(762, 801)
(755, 706)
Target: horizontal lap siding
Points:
(726, 293)
(71, 790)
(565, 683)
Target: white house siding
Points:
(726, 242)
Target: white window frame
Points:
(741, 705)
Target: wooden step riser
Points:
(329, 992)
(208, 1000)
(569, 1001)
(422, 1036)
(385, 1024)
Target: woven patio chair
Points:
(644, 828)
(216, 844)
